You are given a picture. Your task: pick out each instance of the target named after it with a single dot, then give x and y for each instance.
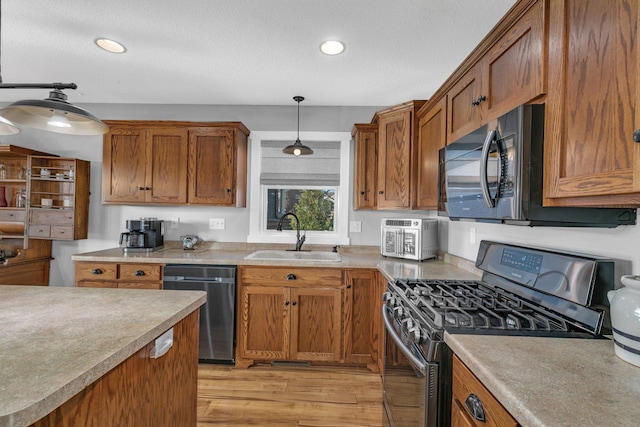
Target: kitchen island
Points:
(554, 382)
(88, 351)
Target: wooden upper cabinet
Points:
(217, 166)
(592, 110)
(396, 156)
(365, 138)
(166, 180)
(510, 72)
(432, 136)
(175, 163)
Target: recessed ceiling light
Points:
(332, 47)
(110, 45)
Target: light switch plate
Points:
(175, 223)
(355, 226)
(216, 223)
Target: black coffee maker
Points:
(144, 235)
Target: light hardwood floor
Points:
(288, 396)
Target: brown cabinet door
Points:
(394, 161)
(212, 166)
(592, 106)
(513, 69)
(365, 137)
(263, 323)
(361, 317)
(124, 167)
(459, 416)
(167, 151)
(432, 136)
(316, 326)
(465, 104)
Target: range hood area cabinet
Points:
(175, 163)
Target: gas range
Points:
(523, 291)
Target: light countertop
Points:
(55, 341)
(554, 382)
(351, 257)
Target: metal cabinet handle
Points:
(348, 286)
(362, 193)
(140, 188)
(96, 271)
(228, 190)
(380, 192)
(474, 407)
(286, 303)
(139, 273)
(290, 277)
(480, 99)
(636, 136)
(293, 303)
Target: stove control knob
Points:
(398, 311)
(390, 301)
(407, 323)
(386, 296)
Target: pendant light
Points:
(53, 114)
(297, 149)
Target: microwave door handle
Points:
(400, 242)
(484, 161)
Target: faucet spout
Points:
(299, 240)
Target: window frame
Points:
(258, 193)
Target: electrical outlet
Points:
(472, 235)
(175, 223)
(355, 226)
(216, 223)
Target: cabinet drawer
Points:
(12, 215)
(96, 271)
(61, 232)
(140, 272)
(52, 216)
(292, 276)
(465, 384)
(87, 284)
(39, 230)
(140, 285)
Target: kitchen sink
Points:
(271, 255)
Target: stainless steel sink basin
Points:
(271, 255)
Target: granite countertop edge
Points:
(35, 410)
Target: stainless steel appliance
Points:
(144, 235)
(415, 238)
(495, 174)
(217, 315)
(523, 291)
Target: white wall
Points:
(106, 222)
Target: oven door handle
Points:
(418, 364)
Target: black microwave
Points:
(494, 174)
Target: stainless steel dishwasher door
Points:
(217, 315)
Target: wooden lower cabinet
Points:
(29, 273)
(467, 386)
(362, 333)
(289, 314)
(141, 391)
(118, 275)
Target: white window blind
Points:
(322, 168)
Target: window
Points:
(314, 187)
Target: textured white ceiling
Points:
(245, 52)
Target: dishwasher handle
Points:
(199, 279)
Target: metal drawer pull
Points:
(474, 407)
(96, 271)
(139, 273)
(290, 277)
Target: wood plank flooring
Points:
(288, 396)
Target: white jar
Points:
(625, 319)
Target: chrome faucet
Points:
(299, 240)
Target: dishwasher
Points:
(217, 315)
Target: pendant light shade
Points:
(8, 128)
(53, 114)
(297, 149)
